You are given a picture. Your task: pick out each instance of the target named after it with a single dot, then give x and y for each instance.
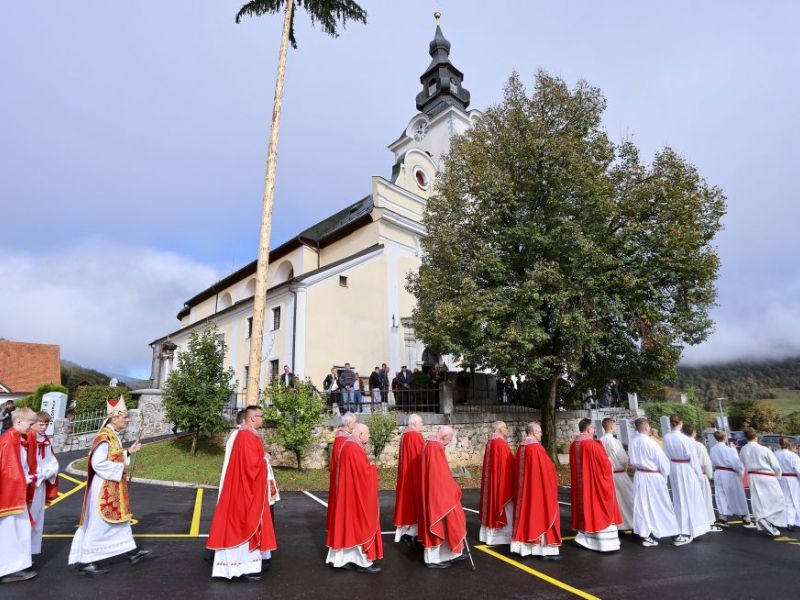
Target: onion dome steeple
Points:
(441, 81)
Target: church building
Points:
(337, 289)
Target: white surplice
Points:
(97, 539)
(653, 513)
(15, 533)
(728, 486)
(708, 475)
(501, 535)
(766, 495)
(685, 479)
(790, 468)
(46, 471)
(623, 484)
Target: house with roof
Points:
(25, 366)
(337, 289)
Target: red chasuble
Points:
(407, 492)
(497, 483)
(356, 516)
(12, 476)
(242, 513)
(594, 500)
(342, 435)
(442, 516)
(536, 511)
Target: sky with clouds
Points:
(134, 140)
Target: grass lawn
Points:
(787, 401)
(170, 461)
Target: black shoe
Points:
(442, 565)
(253, 577)
(138, 555)
(92, 569)
(459, 558)
(266, 564)
(790, 528)
(372, 569)
(23, 575)
(408, 540)
(552, 557)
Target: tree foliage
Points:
(198, 388)
(92, 398)
(34, 401)
(295, 413)
(555, 254)
(328, 13)
(382, 428)
(688, 413)
(760, 415)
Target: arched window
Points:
(250, 288)
(225, 300)
(284, 272)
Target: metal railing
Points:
(87, 422)
(371, 401)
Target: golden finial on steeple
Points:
(437, 15)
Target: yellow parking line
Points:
(68, 478)
(80, 486)
(194, 530)
(540, 575)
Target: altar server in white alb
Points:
(619, 462)
(790, 468)
(763, 472)
(707, 475)
(15, 522)
(45, 489)
(105, 525)
(653, 514)
(728, 486)
(685, 480)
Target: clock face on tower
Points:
(421, 130)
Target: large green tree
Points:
(555, 254)
(330, 14)
(198, 388)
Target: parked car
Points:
(738, 438)
(771, 441)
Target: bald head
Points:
(349, 421)
(361, 433)
(445, 434)
(415, 422)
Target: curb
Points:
(179, 484)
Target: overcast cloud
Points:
(146, 124)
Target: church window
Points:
(421, 178)
(249, 327)
(342, 281)
(431, 87)
(246, 376)
(273, 368)
(276, 318)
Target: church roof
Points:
(321, 234)
(441, 81)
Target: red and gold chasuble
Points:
(114, 502)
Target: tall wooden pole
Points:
(260, 300)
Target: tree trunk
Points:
(549, 419)
(195, 435)
(299, 456)
(260, 299)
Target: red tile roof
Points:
(24, 366)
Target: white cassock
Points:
(728, 486)
(653, 513)
(763, 472)
(622, 483)
(15, 533)
(46, 470)
(790, 468)
(97, 539)
(238, 561)
(685, 479)
(708, 475)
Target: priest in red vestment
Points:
(15, 522)
(442, 523)
(595, 512)
(242, 534)
(354, 537)
(407, 492)
(342, 434)
(497, 488)
(537, 518)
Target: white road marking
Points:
(472, 510)
(316, 499)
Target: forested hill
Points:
(741, 380)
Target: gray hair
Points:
(414, 418)
(497, 426)
(532, 427)
(349, 418)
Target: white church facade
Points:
(337, 289)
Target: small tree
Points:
(198, 388)
(758, 414)
(382, 428)
(295, 412)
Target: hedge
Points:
(91, 398)
(688, 412)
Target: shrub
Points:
(688, 412)
(382, 427)
(295, 413)
(762, 416)
(91, 398)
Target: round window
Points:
(422, 178)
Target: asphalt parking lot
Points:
(738, 563)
